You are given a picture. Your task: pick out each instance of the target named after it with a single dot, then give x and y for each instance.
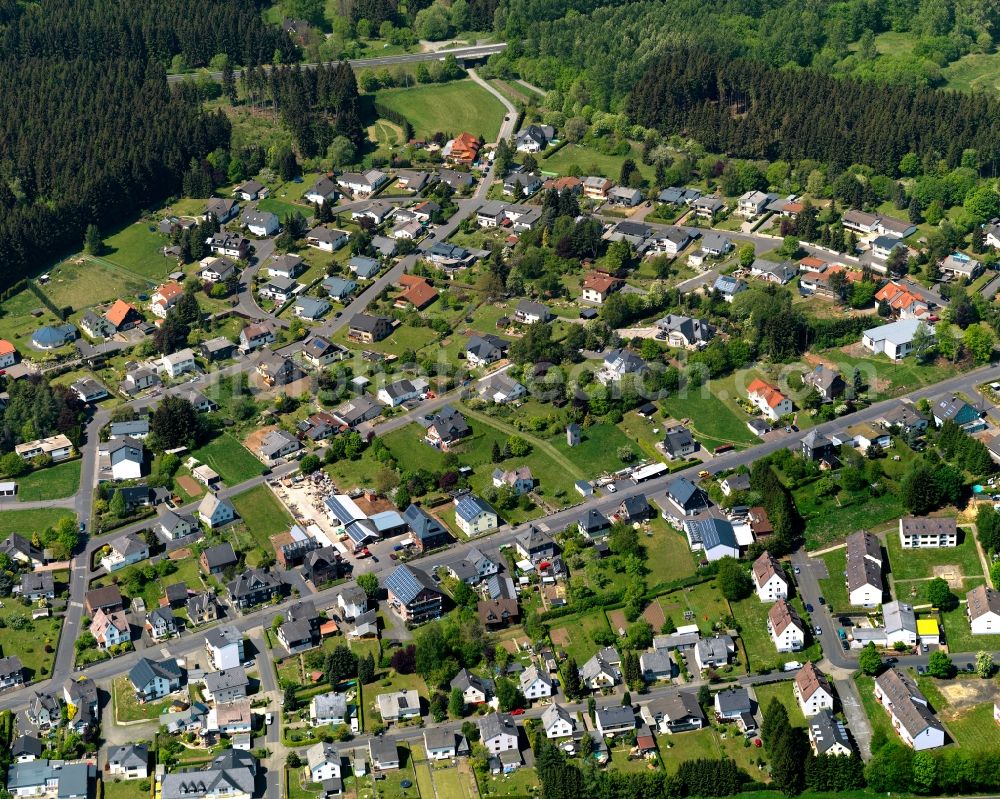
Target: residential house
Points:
(363, 184)
(363, 267)
(459, 181)
(896, 339)
(277, 370)
(812, 690)
(533, 138)
(110, 629)
(711, 653)
(329, 709)
(221, 209)
(224, 646)
(256, 335)
(216, 269)
(311, 308)
(216, 559)
(495, 614)
(614, 720)
(384, 754)
(202, 608)
(398, 705)
(827, 382)
(603, 670)
(128, 761)
(323, 761)
(230, 245)
(598, 286)
(729, 286)
(902, 303)
(708, 207)
(618, 364)
(400, 392)
(954, 409)
(769, 578)
(279, 289)
(520, 480)
(368, 329)
(923, 532)
(323, 190)
(358, 410)
(864, 569)
(253, 587)
(485, 350)
(215, 512)
(772, 272)
(51, 779)
(11, 672)
(500, 388)
(412, 179)
(226, 685)
(413, 595)
(319, 352)
(124, 551)
(678, 442)
(673, 713)
(475, 690)
(300, 629)
(123, 316)
(52, 337)
(535, 684)
(498, 733)
(426, 532)
(35, 586)
(252, 190)
(786, 628)
(768, 400)
(683, 331)
(685, 498)
(232, 775)
(983, 610)
(731, 703)
(960, 265)
(107, 598)
(900, 623)
(624, 196)
(178, 363)
(57, 447)
(751, 204)
(535, 545)
(322, 565)
(43, 710)
(161, 623)
(596, 188)
(656, 665)
(474, 515)
(528, 312)
(594, 524)
(277, 446)
(908, 710)
(164, 298)
(326, 238)
(828, 735)
(26, 748)
(288, 266)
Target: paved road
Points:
(461, 53)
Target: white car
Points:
(611, 488)
(268, 719)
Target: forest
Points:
(90, 131)
(749, 109)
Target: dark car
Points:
(892, 660)
(821, 601)
(809, 608)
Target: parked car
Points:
(809, 608)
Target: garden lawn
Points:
(138, 249)
(598, 449)
(55, 482)
(29, 642)
(829, 519)
(782, 691)
(124, 789)
(284, 208)
(974, 728)
(521, 783)
(390, 787)
(589, 161)
(876, 713)
(296, 789)
(26, 522)
(83, 281)
(894, 378)
(262, 513)
(917, 564)
(230, 459)
(751, 615)
(455, 107)
(390, 681)
(694, 745)
(833, 587)
(127, 708)
(713, 422)
(668, 556)
(959, 637)
(581, 646)
(703, 600)
(17, 324)
(449, 783)
(403, 338)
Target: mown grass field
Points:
(588, 161)
(230, 459)
(55, 482)
(262, 513)
(31, 641)
(712, 421)
(84, 282)
(918, 564)
(455, 107)
(782, 691)
(27, 522)
(751, 615)
(137, 248)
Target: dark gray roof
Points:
(220, 555)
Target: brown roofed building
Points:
(123, 315)
(769, 578)
(417, 291)
(108, 598)
(812, 690)
(495, 613)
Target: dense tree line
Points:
(316, 105)
(777, 501)
(37, 409)
(753, 110)
(141, 31)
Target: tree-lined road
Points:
(472, 53)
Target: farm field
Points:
(230, 459)
(55, 482)
(455, 107)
